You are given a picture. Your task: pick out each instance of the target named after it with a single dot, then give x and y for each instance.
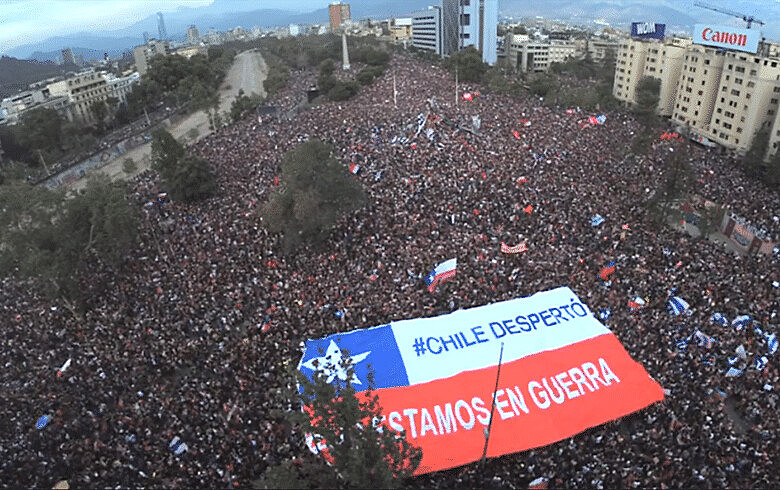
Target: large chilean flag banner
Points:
(562, 372)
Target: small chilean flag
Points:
(538, 484)
(441, 273)
(607, 271)
(354, 168)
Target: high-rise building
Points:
(79, 60)
(662, 60)
(426, 30)
(477, 26)
(67, 57)
(457, 24)
(146, 37)
(161, 27)
(193, 36)
(82, 89)
(142, 54)
(339, 13)
(714, 95)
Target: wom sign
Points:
(726, 37)
(562, 373)
(644, 30)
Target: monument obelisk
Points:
(344, 52)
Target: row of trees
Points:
(42, 135)
(190, 84)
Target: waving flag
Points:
(740, 322)
(703, 339)
(772, 342)
(177, 446)
(607, 271)
(636, 304)
(562, 373)
(519, 248)
(596, 220)
(719, 319)
(440, 273)
(538, 484)
(676, 305)
(354, 168)
(42, 422)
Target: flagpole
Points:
(492, 406)
(456, 85)
(395, 93)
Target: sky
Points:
(28, 21)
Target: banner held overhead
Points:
(563, 372)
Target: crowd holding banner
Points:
(192, 338)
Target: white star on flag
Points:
(331, 364)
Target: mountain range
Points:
(226, 14)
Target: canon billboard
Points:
(644, 30)
(726, 37)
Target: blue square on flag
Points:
(386, 366)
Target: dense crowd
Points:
(193, 338)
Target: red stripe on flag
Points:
(542, 399)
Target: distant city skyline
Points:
(30, 21)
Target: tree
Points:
(543, 85)
(48, 237)
(343, 90)
(468, 64)
(647, 95)
(676, 177)
(187, 178)
(129, 166)
(753, 161)
(316, 189)
(100, 111)
(166, 153)
(40, 130)
(365, 451)
(192, 180)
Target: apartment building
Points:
(662, 60)
(426, 30)
(600, 49)
(82, 89)
(13, 108)
(144, 53)
(747, 101)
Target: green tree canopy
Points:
(187, 178)
(316, 189)
(647, 95)
(47, 237)
(166, 153)
(468, 63)
(366, 452)
(192, 180)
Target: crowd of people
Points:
(180, 364)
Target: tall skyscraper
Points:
(453, 25)
(339, 12)
(161, 27)
(193, 36)
(67, 57)
(146, 37)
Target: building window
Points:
(465, 19)
(738, 81)
(735, 92)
